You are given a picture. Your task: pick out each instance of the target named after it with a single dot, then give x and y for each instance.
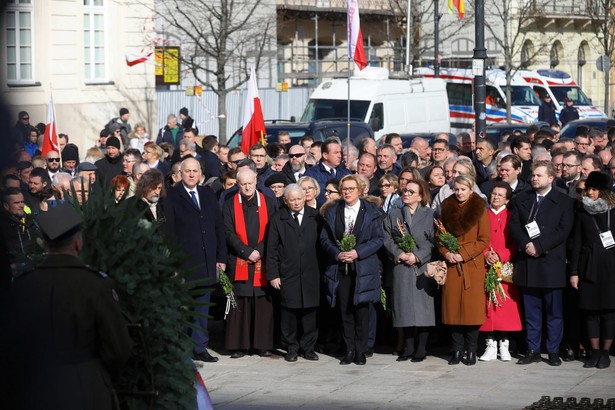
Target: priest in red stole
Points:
(246, 217)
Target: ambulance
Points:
(404, 106)
(559, 85)
(524, 102)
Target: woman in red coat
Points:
(505, 317)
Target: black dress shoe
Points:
(236, 354)
(264, 353)
(348, 358)
(403, 358)
(369, 353)
(554, 359)
(568, 355)
(470, 359)
(592, 361)
(605, 361)
(417, 359)
(205, 357)
(291, 356)
(397, 353)
(455, 359)
(310, 356)
(530, 357)
(360, 359)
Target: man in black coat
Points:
(112, 164)
(69, 333)
(569, 112)
(546, 111)
(541, 221)
(193, 212)
(246, 217)
(292, 268)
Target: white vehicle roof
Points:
(463, 75)
(369, 89)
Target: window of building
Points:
(94, 41)
(19, 63)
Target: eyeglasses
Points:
(237, 161)
(570, 165)
(296, 155)
(408, 191)
(438, 149)
(385, 186)
(330, 191)
(580, 190)
(53, 159)
(349, 189)
(557, 165)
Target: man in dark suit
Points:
(193, 212)
(246, 217)
(541, 221)
(292, 268)
(509, 171)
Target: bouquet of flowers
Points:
(447, 239)
(507, 272)
(405, 241)
(493, 285)
(349, 241)
(227, 288)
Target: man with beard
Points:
(295, 167)
(147, 200)
(112, 164)
(571, 171)
(485, 148)
(39, 185)
(52, 158)
(387, 161)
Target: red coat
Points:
(505, 317)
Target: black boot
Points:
(456, 359)
(470, 359)
(593, 359)
(604, 361)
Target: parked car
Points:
(569, 130)
(495, 131)
(320, 130)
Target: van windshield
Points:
(522, 95)
(574, 93)
(320, 109)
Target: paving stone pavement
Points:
(253, 382)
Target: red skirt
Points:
(506, 317)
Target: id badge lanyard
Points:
(605, 237)
(532, 227)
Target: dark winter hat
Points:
(59, 222)
(124, 111)
(113, 141)
(598, 180)
(276, 178)
(87, 166)
(114, 127)
(183, 111)
(22, 115)
(70, 154)
(104, 132)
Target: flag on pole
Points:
(456, 5)
(253, 122)
(355, 38)
(50, 142)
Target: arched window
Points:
(581, 62)
(527, 51)
(555, 52)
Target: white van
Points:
(417, 105)
(459, 87)
(559, 85)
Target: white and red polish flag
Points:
(50, 142)
(134, 58)
(253, 121)
(355, 38)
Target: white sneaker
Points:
(491, 352)
(504, 353)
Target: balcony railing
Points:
(582, 8)
(364, 5)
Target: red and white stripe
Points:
(355, 37)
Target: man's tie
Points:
(296, 217)
(196, 202)
(539, 198)
(332, 172)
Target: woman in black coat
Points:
(593, 258)
(292, 268)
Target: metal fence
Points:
(204, 109)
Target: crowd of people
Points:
(308, 228)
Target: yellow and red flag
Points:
(456, 5)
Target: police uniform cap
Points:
(87, 166)
(59, 223)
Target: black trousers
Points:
(462, 335)
(296, 337)
(250, 325)
(355, 318)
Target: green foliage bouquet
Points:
(348, 241)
